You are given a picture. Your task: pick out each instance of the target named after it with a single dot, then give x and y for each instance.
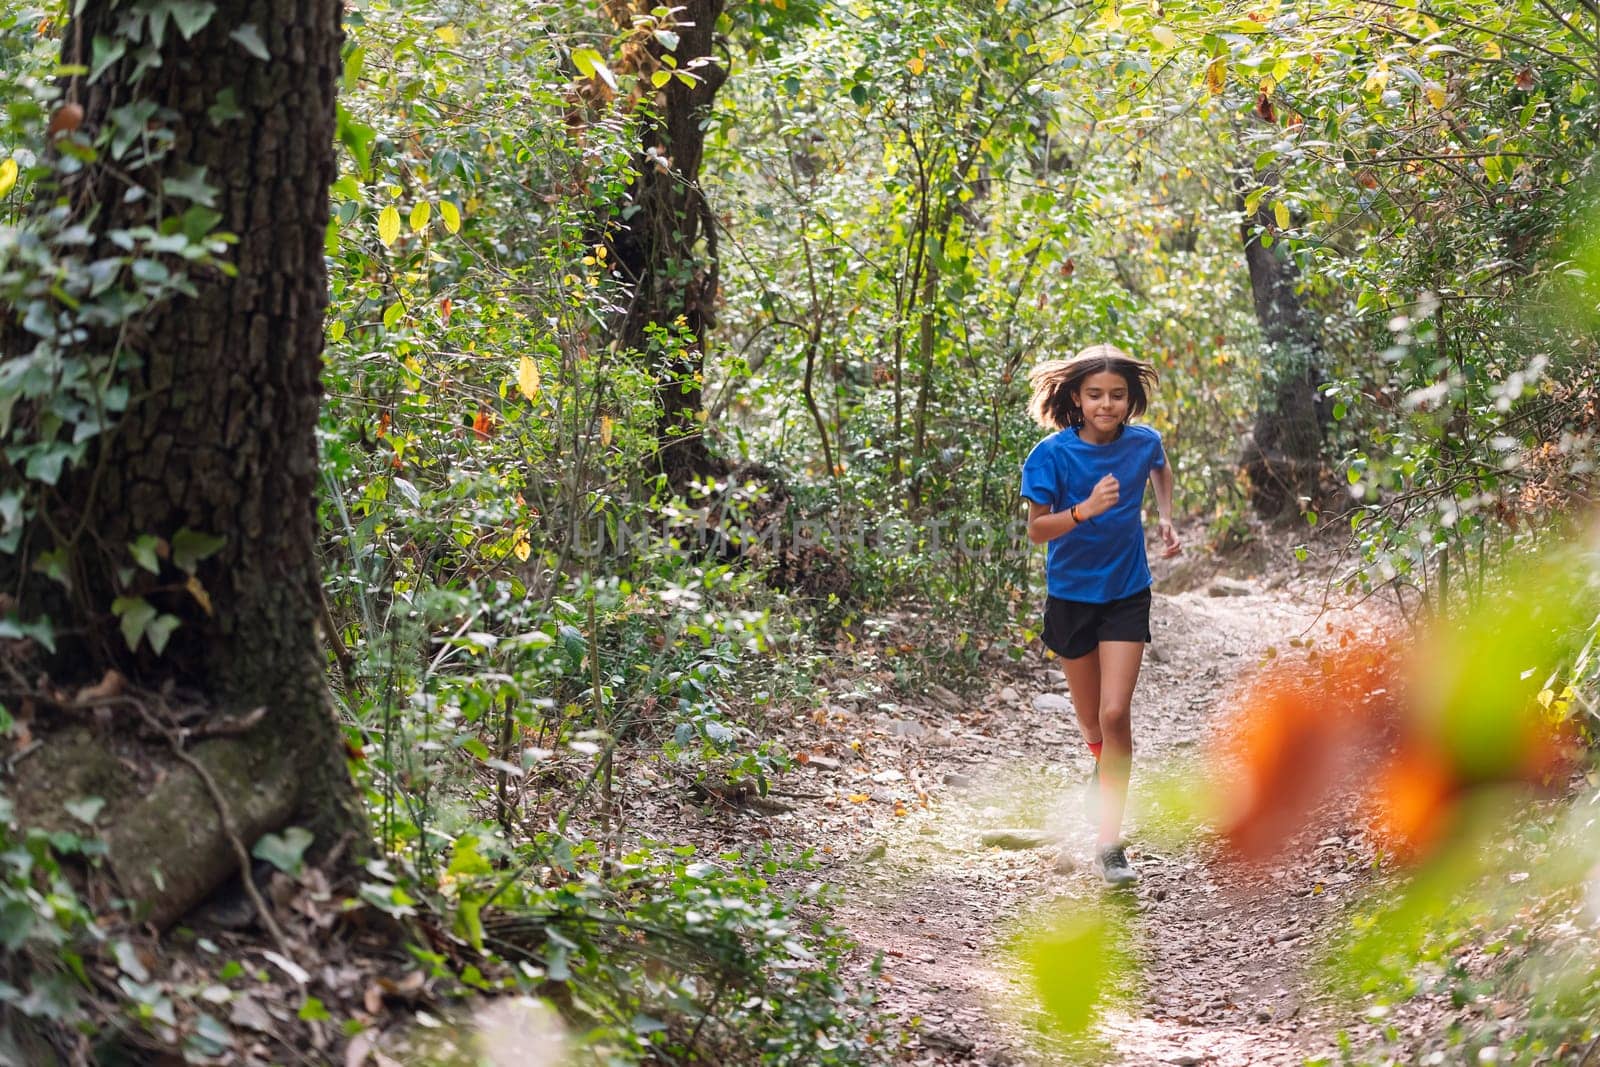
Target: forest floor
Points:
(896, 797)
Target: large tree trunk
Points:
(1283, 458)
(218, 440)
(667, 248)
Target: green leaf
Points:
(136, 613)
(189, 548)
(284, 851)
(191, 185)
(392, 315)
(469, 922)
(17, 923)
(144, 553)
(587, 60)
(225, 109)
(41, 630)
(466, 860)
(592, 65)
(346, 188)
(159, 631)
(85, 809)
(357, 137)
(354, 60)
(421, 212)
(249, 38)
(313, 1011)
(106, 52)
(190, 16)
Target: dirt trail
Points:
(903, 802)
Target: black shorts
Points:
(1073, 628)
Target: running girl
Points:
(1085, 490)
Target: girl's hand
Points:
(1169, 538)
(1103, 498)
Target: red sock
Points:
(1095, 747)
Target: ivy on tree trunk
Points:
(213, 466)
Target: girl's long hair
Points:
(1054, 382)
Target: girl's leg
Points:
(1083, 682)
(1118, 665)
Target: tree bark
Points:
(219, 436)
(1283, 458)
(658, 248)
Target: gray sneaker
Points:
(1112, 863)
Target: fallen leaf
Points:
(288, 966)
(110, 684)
(360, 1047)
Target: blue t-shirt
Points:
(1102, 559)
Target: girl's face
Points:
(1103, 397)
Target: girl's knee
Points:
(1114, 716)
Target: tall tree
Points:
(666, 244)
(1284, 455)
(180, 553)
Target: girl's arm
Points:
(1044, 526)
(1161, 479)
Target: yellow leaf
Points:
(1111, 17)
(8, 176)
(1164, 36)
(916, 65)
(1491, 49)
(1280, 212)
(448, 34)
(336, 331)
(605, 431)
(199, 593)
(1436, 96)
(528, 377)
(1217, 75)
(522, 548)
(388, 225)
(420, 213)
(660, 78)
(451, 216)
